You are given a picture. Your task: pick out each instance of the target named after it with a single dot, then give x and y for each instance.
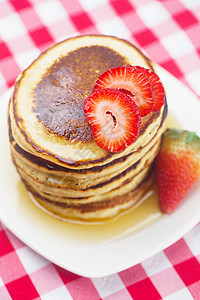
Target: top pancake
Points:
(46, 108)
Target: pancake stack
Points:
(67, 173)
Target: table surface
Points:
(169, 32)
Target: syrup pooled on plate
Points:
(143, 213)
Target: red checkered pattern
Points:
(169, 33)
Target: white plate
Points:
(76, 248)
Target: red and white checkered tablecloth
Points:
(169, 32)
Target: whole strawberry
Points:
(177, 167)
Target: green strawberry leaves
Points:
(179, 133)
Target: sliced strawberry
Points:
(114, 119)
(156, 85)
(177, 167)
(132, 82)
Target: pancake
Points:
(51, 144)
(47, 104)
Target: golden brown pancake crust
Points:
(60, 95)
